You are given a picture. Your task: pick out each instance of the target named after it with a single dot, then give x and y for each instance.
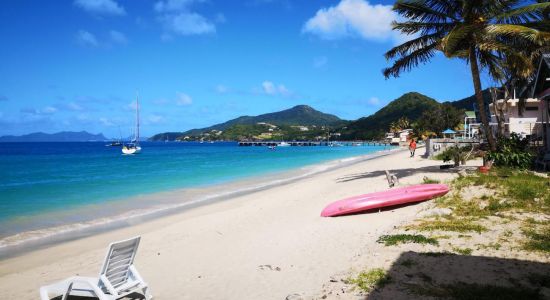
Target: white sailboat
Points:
(133, 147)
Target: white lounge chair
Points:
(118, 277)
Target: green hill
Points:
(299, 115)
(410, 105)
(468, 103)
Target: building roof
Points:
(541, 84)
(449, 131)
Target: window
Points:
(533, 108)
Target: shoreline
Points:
(263, 245)
(180, 200)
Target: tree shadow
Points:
(450, 276)
(400, 173)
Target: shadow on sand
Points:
(400, 173)
(450, 276)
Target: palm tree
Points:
(478, 31)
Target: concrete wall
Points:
(436, 146)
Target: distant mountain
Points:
(410, 105)
(64, 136)
(298, 115)
(468, 103)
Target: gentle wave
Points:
(34, 238)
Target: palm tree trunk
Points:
(479, 97)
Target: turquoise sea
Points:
(57, 184)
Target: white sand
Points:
(264, 245)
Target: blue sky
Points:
(77, 64)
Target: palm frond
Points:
(415, 44)
(419, 10)
(411, 27)
(405, 63)
(523, 14)
(458, 38)
(532, 35)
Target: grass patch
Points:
(395, 239)
(473, 291)
(516, 190)
(368, 280)
(495, 246)
(463, 251)
(537, 239)
(451, 224)
(427, 180)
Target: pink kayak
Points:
(409, 194)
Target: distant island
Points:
(303, 122)
(64, 136)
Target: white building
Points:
(526, 122)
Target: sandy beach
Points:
(264, 245)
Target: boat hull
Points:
(397, 196)
(131, 150)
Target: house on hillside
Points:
(396, 138)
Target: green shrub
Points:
(512, 152)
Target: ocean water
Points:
(46, 185)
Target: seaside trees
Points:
(481, 32)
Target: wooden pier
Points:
(312, 143)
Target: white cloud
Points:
(177, 17)
(269, 88)
(354, 18)
(106, 122)
(101, 7)
(130, 106)
(48, 110)
(187, 23)
(118, 37)
(174, 5)
(86, 38)
(154, 119)
(183, 100)
(221, 89)
(320, 62)
(374, 101)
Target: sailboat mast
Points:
(137, 118)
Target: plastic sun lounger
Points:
(118, 277)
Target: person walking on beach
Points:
(412, 147)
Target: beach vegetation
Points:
(514, 190)
(427, 180)
(463, 251)
(537, 238)
(512, 152)
(458, 155)
(395, 239)
(371, 279)
(487, 35)
(450, 224)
